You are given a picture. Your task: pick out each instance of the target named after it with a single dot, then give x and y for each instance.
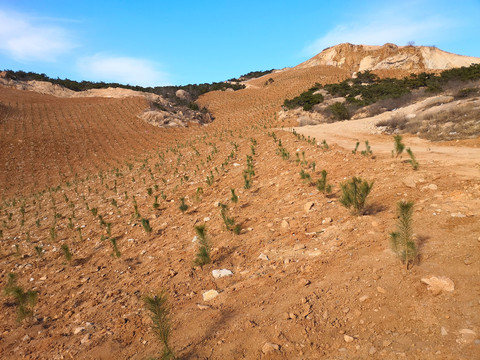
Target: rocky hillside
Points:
(355, 58)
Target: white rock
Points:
(285, 224)
(297, 247)
(433, 187)
(26, 338)
(439, 284)
(194, 239)
(467, 336)
(262, 256)
(269, 348)
(85, 339)
(363, 298)
(209, 295)
(443, 331)
(327, 220)
(347, 338)
(221, 273)
(205, 219)
(78, 330)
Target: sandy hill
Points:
(355, 58)
(309, 278)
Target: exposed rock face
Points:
(184, 95)
(389, 56)
(180, 118)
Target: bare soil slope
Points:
(311, 280)
(45, 140)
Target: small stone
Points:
(217, 274)
(347, 338)
(374, 223)
(297, 247)
(78, 330)
(262, 256)
(363, 298)
(372, 350)
(205, 219)
(43, 278)
(209, 295)
(306, 282)
(270, 347)
(433, 187)
(386, 343)
(194, 239)
(467, 336)
(285, 224)
(308, 206)
(327, 220)
(203, 307)
(438, 284)
(443, 331)
(381, 290)
(85, 339)
(409, 182)
(26, 338)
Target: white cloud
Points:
(389, 25)
(124, 70)
(24, 39)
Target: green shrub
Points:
(183, 207)
(146, 226)
(234, 197)
(322, 183)
(116, 252)
(339, 111)
(398, 146)
(26, 300)
(306, 100)
(203, 255)
(354, 193)
(66, 252)
(402, 239)
(412, 160)
(160, 314)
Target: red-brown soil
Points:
(331, 287)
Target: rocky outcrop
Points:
(389, 56)
(177, 118)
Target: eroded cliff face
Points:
(388, 57)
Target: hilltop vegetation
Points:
(251, 75)
(168, 92)
(367, 88)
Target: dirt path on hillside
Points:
(463, 160)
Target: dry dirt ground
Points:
(327, 284)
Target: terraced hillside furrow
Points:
(324, 273)
(46, 140)
(260, 100)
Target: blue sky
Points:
(172, 43)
